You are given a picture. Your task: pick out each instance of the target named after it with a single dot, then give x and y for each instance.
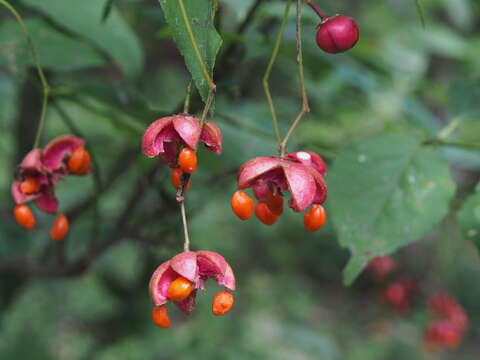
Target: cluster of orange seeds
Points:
(269, 211)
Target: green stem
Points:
(41, 74)
(196, 49)
(266, 77)
(186, 244)
(209, 102)
(438, 142)
(301, 75)
(449, 129)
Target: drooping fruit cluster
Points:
(39, 173)
(175, 138)
(335, 34)
(300, 173)
(447, 330)
(179, 279)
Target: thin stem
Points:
(186, 244)
(41, 122)
(449, 129)
(186, 105)
(266, 77)
(438, 142)
(208, 104)
(303, 92)
(198, 55)
(41, 74)
(316, 9)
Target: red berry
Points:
(337, 34)
(179, 289)
(24, 217)
(264, 214)
(160, 316)
(187, 159)
(315, 218)
(79, 162)
(242, 205)
(30, 185)
(222, 303)
(176, 179)
(59, 228)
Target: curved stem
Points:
(316, 9)
(41, 74)
(186, 244)
(266, 77)
(208, 104)
(303, 92)
(198, 55)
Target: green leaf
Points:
(386, 193)
(200, 15)
(55, 49)
(107, 8)
(84, 18)
(463, 98)
(469, 218)
(420, 11)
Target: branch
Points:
(41, 74)
(303, 92)
(266, 77)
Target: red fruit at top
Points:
(24, 217)
(264, 214)
(315, 218)
(242, 205)
(187, 159)
(337, 34)
(380, 267)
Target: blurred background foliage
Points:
(88, 298)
